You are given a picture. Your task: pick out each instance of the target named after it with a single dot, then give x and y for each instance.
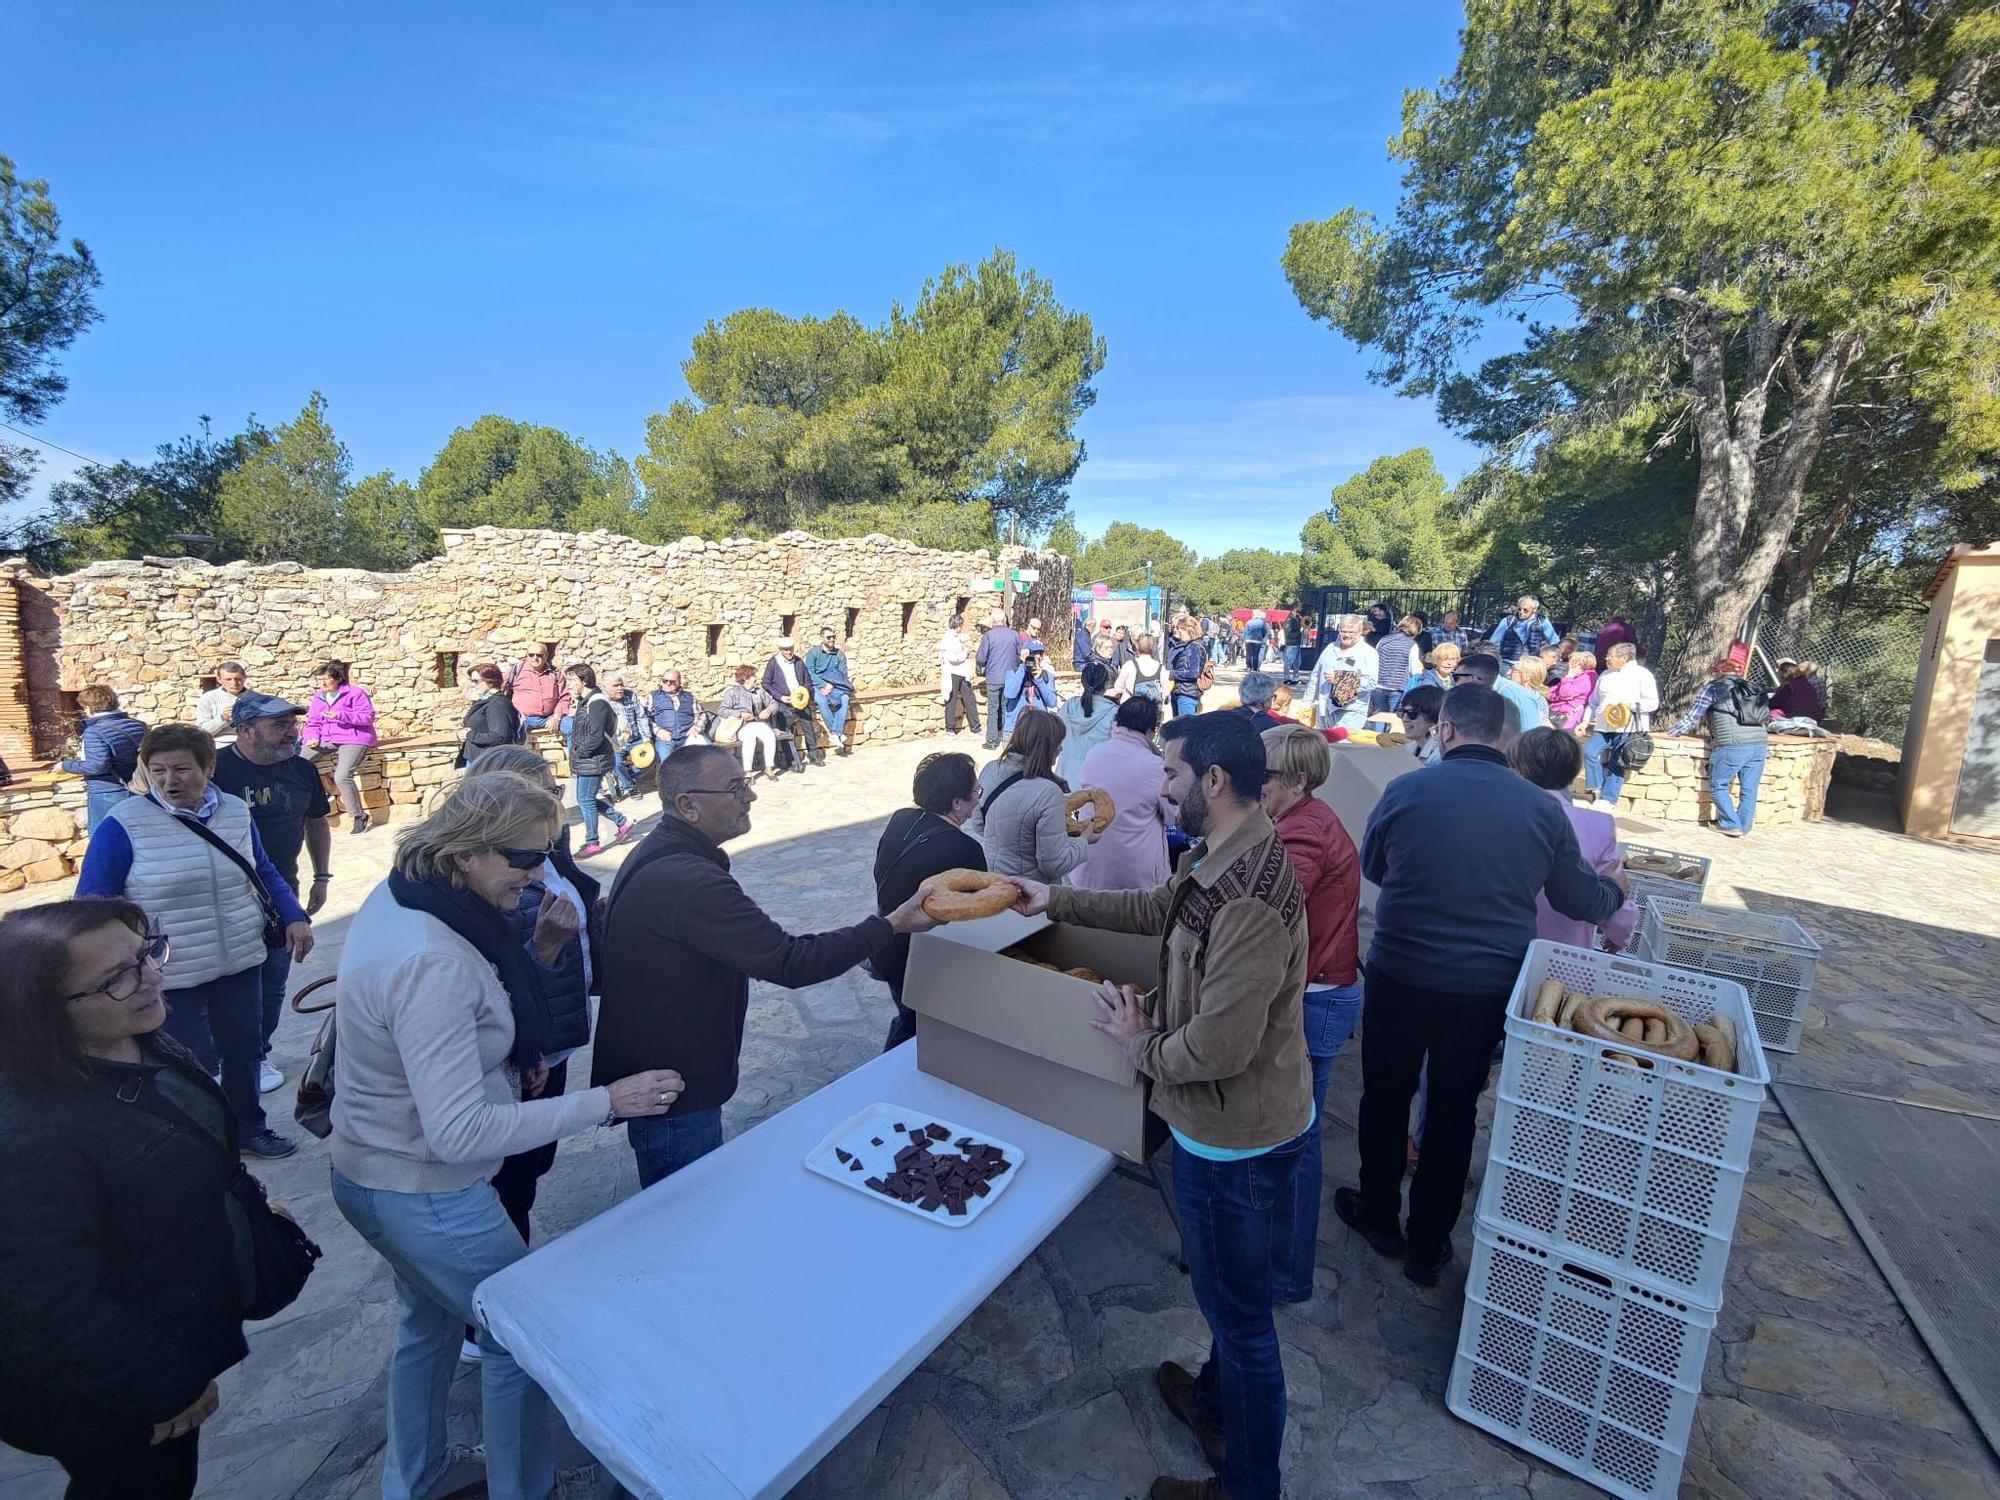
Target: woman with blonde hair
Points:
(1399, 659)
(1297, 761)
(1438, 667)
(1020, 819)
(428, 1102)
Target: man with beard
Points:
(1225, 1048)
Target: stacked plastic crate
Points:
(1772, 957)
(1604, 1227)
(1648, 883)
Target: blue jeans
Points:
(1186, 704)
(223, 1020)
(834, 709)
(1608, 784)
(273, 977)
(533, 721)
(1331, 1014)
(97, 806)
(622, 769)
(592, 807)
(663, 1144)
(440, 1246)
(1744, 763)
(1229, 1212)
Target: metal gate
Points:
(1479, 605)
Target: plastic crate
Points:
(1635, 1169)
(1773, 958)
(1597, 1375)
(1645, 886)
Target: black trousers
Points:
(996, 709)
(904, 1025)
(142, 1471)
(1402, 1027)
(961, 702)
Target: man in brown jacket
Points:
(1224, 1044)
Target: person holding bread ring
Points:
(431, 1086)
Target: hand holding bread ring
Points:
(959, 896)
(1102, 811)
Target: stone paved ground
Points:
(1816, 1383)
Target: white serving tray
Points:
(857, 1134)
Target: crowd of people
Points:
(135, 1020)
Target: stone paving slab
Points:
(1816, 1384)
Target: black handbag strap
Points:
(202, 831)
(994, 795)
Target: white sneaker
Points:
(268, 1078)
(469, 1352)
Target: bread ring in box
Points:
(1610, 1018)
(1101, 811)
(968, 895)
(1087, 975)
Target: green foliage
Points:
(291, 500)
(1733, 227)
(1258, 577)
(500, 472)
(1119, 557)
(46, 300)
(970, 399)
(1386, 529)
(954, 528)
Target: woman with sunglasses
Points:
(120, 1292)
(432, 1082)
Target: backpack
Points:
(1737, 699)
(1148, 687)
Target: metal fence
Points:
(1479, 605)
(1867, 660)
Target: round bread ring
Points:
(1100, 804)
(1087, 975)
(1601, 1016)
(968, 895)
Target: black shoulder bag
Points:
(274, 924)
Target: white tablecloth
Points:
(716, 1335)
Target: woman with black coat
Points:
(593, 751)
(492, 719)
(121, 1284)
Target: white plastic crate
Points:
(1773, 958)
(1635, 1169)
(1645, 886)
(1600, 1376)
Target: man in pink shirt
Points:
(537, 690)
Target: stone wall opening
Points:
(444, 669)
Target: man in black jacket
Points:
(1450, 934)
(920, 842)
(682, 942)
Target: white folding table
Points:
(715, 1336)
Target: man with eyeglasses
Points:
(538, 691)
(676, 714)
(682, 941)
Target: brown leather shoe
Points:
(1165, 1488)
(1177, 1390)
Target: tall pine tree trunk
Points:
(1751, 480)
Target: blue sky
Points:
(431, 212)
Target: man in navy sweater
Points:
(999, 653)
(1450, 934)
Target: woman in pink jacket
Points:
(340, 717)
(1571, 694)
(1552, 759)
(1132, 853)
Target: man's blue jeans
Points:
(1740, 763)
(440, 1246)
(663, 1144)
(1331, 1014)
(533, 721)
(1186, 705)
(97, 806)
(1229, 1214)
(834, 708)
(223, 1020)
(1607, 784)
(273, 977)
(622, 769)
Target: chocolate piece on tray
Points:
(875, 1185)
(875, 1140)
(936, 1131)
(897, 1126)
(842, 1155)
(854, 1166)
(956, 1207)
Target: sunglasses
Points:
(525, 859)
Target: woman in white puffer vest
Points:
(165, 852)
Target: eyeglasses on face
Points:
(525, 859)
(124, 983)
(738, 788)
(1458, 676)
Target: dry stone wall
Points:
(154, 630)
(1673, 785)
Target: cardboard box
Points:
(1360, 772)
(1022, 1037)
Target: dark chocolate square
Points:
(842, 1156)
(956, 1208)
(936, 1131)
(875, 1140)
